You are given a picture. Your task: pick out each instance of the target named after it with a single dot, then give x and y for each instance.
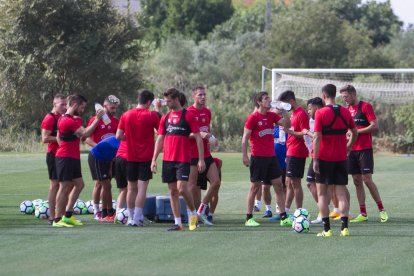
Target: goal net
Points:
(393, 86)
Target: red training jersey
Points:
(262, 127)
(333, 147)
(176, 129)
(203, 117)
(122, 150)
(138, 125)
(67, 126)
(364, 140)
(103, 131)
(296, 146)
(50, 123)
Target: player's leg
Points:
(213, 176)
(290, 193)
(175, 206)
(258, 201)
(322, 181)
(267, 198)
(192, 182)
(51, 197)
(251, 195)
(78, 186)
(214, 200)
(120, 165)
(144, 177)
(280, 200)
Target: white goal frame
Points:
(276, 72)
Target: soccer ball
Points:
(27, 207)
(301, 212)
(301, 225)
(79, 207)
(89, 206)
(37, 202)
(42, 212)
(122, 216)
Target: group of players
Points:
(125, 148)
(339, 141)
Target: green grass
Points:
(29, 246)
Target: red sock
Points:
(380, 207)
(363, 209)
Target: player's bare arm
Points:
(373, 126)
(47, 138)
(201, 165)
(245, 139)
(159, 143)
(316, 144)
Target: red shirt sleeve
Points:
(48, 122)
(161, 127)
(250, 122)
(276, 117)
(351, 121)
(318, 121)
(303, 121)
(369, 112)
(121, 124)
(91, 120)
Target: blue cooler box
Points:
(164, 211)
(150, 207)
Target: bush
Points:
(20, 141)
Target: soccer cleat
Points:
(176, 227)
(275, 218)
(328, 233)
(318, 220)
(383, 216)
(334, 215)
(359, 218)
(210, 218)
(268, 214)
(72, 221)
(98, 216)
(256, 208)
(140, 223)
(193, 223)
(345, 232)
(132, 223)
(108, 219)
(251, 223)
(286, 222)
(61, 223)
(205, 220)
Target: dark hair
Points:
(197, 87)
(316, 101)
(76, 99)
(172, 92)
(329, 90)
(348, 88)
(287, 95)
(258, 97)
(183, 99)
(144, 96)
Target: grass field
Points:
(31, 247)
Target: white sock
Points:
(117, 210)
(95, 208)
(258, 203)
(188, 214)
(287, 210)
(202, 209)
(194, 212)
(138, 214)
(130, 213)
(178, 221)
(336, 210)
(268, 207)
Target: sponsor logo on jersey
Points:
(267, 131)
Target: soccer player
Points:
(173, 134)
(49, 132)
(120, 167)
(263, 164)
(137, 127)
(296, 150)
(330, 147)
(101, 170)
(361, 159)
(68, 166)
(203, 117)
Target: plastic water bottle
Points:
(105, 117)
(280, 105)
(162, 101)
(282, 135)
(212, 140)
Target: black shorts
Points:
(310, 178)
(68, 168)
(332, 173)
(202, 177)
(51, 165)
(173, 171)
(100, 170)
(264, 169)
(361, 162)
(120, 168)
(138, 171)
(295, 166)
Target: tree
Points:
(62, 46)
(192, 18)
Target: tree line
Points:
(86, 46)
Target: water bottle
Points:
(162, 101)
(212, 140)
(282, 135)
(280, 105)
(105, 117)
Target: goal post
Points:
(393, 86)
